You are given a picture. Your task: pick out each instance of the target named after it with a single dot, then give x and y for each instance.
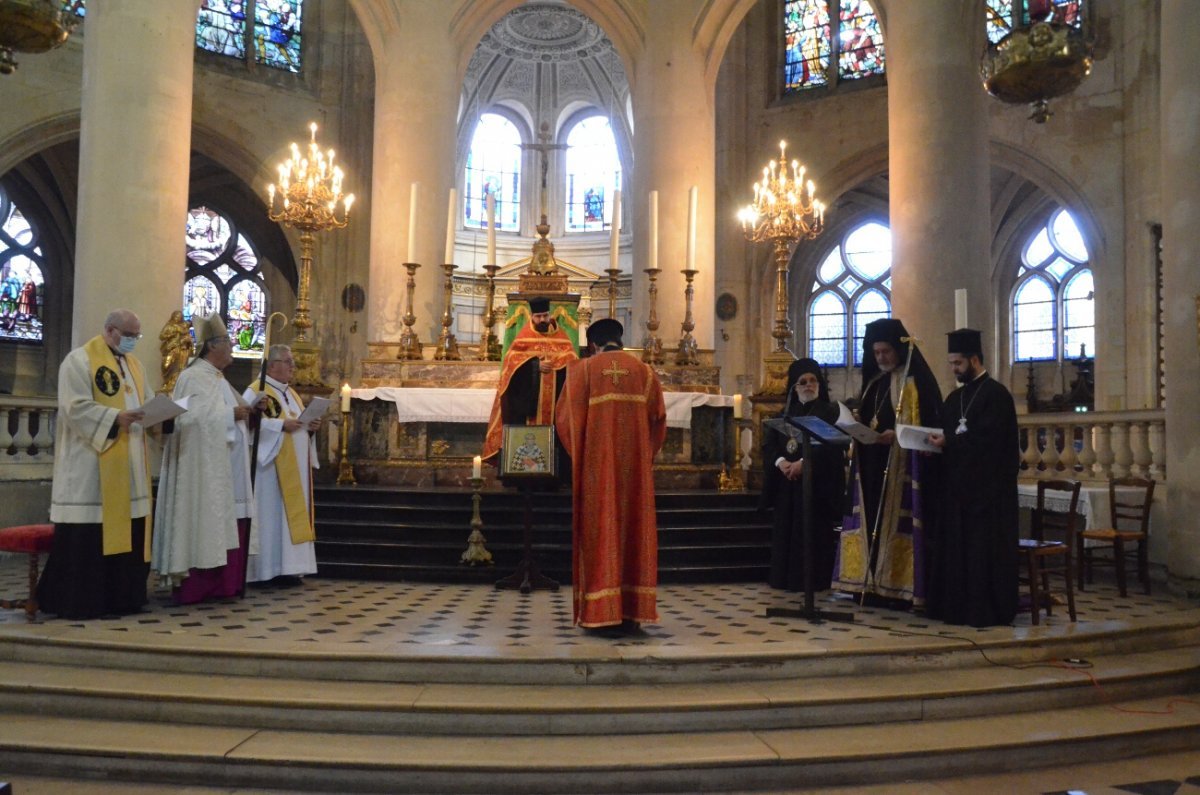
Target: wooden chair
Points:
(1048, 551)
(32, 540)
(1125, 510)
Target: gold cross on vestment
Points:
(615, 372)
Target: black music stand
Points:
(812, 431)
(529, 475)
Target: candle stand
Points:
(476, 554)
(345, 468)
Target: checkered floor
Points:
(423, 615)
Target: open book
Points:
(855, 429)
(916, 437)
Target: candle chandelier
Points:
(306, 197)
(785, 211)
(31, 26)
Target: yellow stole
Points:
(108, 391)
(287, 468)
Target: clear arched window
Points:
(593, 173)
(1000, 15)
(493, 167)
(224, 275)
(852, 288)
(815, 39)
(21, 285)
(1053, 301)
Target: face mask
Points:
(126, 345)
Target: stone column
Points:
(416, 101)
(1179, 130)
(940, 213)
(674, 149)
(134, 145)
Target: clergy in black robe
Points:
(882, 549)
(975, 565)
(808, 396)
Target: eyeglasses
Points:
(126, 336)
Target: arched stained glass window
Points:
(1000, 15)
(852, 288)
(593, 173)
(814, 39)
(1053, 301)
(22, 288)
(224, 275)
(493, 167)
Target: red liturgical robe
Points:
(612, 421)
(554, 347)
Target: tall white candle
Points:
(693, 199)
(737, 407)
(615, 246)
(345, 397)
(652, 259)
(451, 224)
(491, 238)
(477, 467)
(412, 223)
(960, 308)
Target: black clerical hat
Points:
(605, 330)
(965, 341)
(539, 305)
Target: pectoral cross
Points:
(615, 373)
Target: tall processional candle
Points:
(652, 259)
(615, 245)
(693, 198)
(960, 308)
(412, 223)
(737, 407)
(345, 398)
(451, 216)
(477, 467)
(491, 238)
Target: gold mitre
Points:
(208, 328)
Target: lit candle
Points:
(960, 308)
(451, 217)
(652, 259)
(477, 467)
(737, 407)
(615, 246)
(345, 398)
(491, 238)
(693, 198)
(412, 223)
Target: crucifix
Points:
(543, 148)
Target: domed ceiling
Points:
(542, 59)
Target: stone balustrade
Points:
(1094, 445)
(27, 437)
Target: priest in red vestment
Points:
(612, 421)
(531, 376)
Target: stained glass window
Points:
(22, 288)
(852, 288)
(813, 40)
(1053, 302)
(76, 7)
(221, 28)
(999, 14)
(277, 33)
(224, 275)
(494, 168)
(593, 173)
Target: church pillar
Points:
(416, 101)
(938, 170)
(1179, 127)
(134, 144)
(674, 149)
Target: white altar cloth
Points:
(422, 404)
(1093, 502)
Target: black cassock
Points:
(975, 562)
(787, 498)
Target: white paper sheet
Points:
(315, 409)
(854, 428)
(915, 437)
(161, 408)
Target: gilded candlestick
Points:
(447, 344)
(687, 353)
(345, 468)
(489, 343)
(476, 553)
(652, 348)
(613, 273)
(410, 344)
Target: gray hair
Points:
(118, 318)
(276, 352)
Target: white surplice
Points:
(81, 435)
(277, 555)
(204, 487)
